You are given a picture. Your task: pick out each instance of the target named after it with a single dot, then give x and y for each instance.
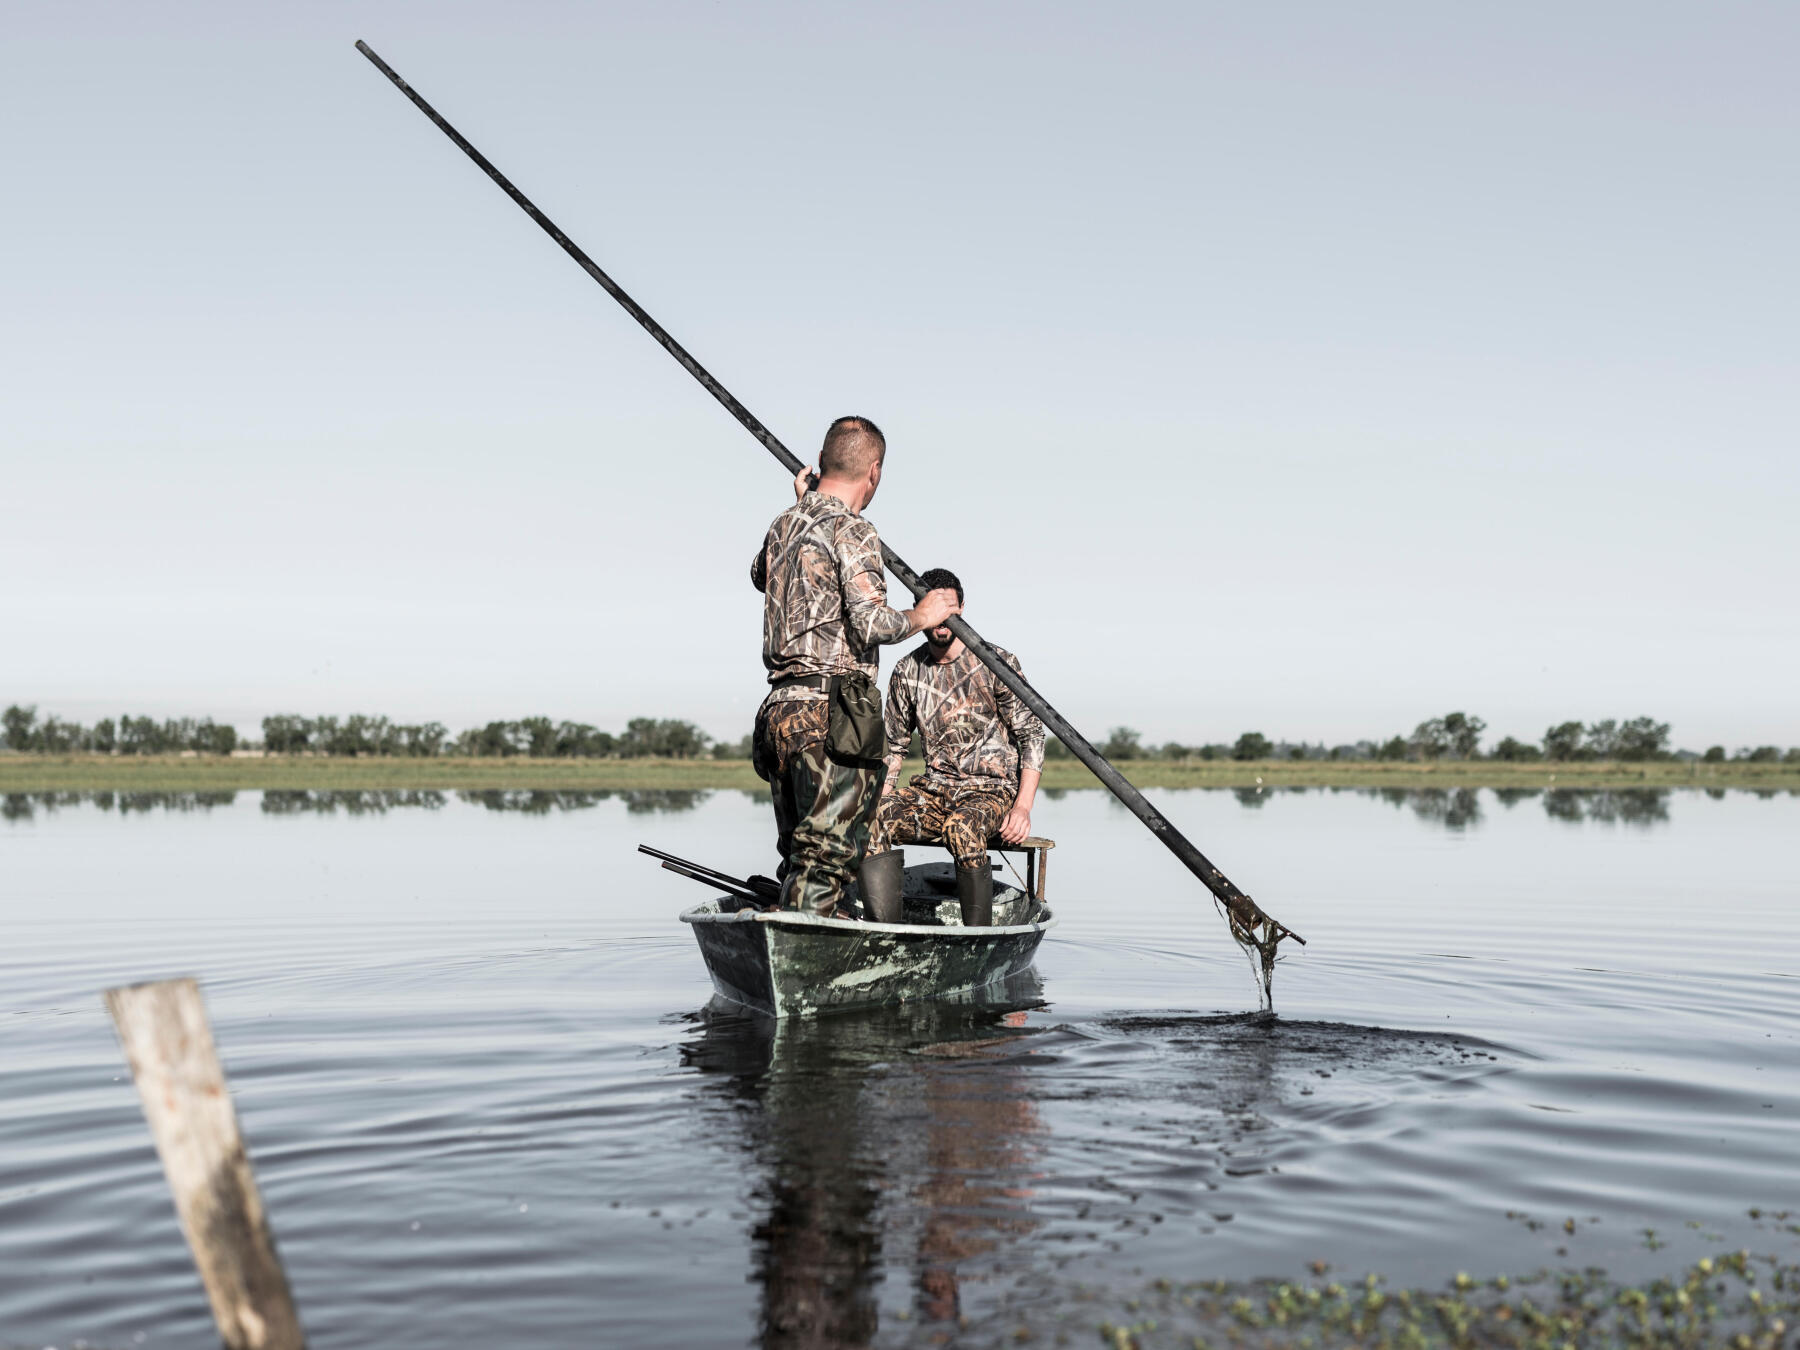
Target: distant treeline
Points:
(1454, 736)
(537, 737)
(360, 735)
(127, 736)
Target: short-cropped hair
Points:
(938, 578)
(852, 444)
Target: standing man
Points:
(825, 610)
(984, 754)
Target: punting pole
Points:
(169, 1045)
(1249, 924)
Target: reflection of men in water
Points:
(825, 611)
(820, 1246)
(866, 1130)
(974, 1190)
(984, 753)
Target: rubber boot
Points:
(789, 895)
(880, 880)
(975, 892)
(798, 896)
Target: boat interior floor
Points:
(928, 895)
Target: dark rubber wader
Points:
(824, 796)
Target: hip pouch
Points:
(855, 735)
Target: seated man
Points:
(984, 754)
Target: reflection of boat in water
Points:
(786, 963)
(935, 1173)
(894, 1153)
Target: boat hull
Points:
(788, 964)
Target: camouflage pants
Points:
(823, 809)
(920, 813)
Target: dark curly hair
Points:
(939, 577)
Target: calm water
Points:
(489, 1106)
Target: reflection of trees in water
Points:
(1254, 797)
(1459, 808)
(356, 802)
(645, 801)
(532, 802)
(127, 802)
(25, 805)
(360, 802)
(1608, 806)
(525, 801)
(1512, 796)
(901, 1133)
(1453, 808)
(638, 801)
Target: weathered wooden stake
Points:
(169, 1046)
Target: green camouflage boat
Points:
(788, 964)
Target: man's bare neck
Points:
(850, 494)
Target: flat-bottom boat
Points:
(784, 963)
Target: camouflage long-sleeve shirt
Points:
(825, 608)
(977, 732)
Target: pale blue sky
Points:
(1308, 368)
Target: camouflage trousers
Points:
(923, 813)
(823, 809)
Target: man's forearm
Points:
(1028, 786)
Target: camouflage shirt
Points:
(977, 732)
(825, 606)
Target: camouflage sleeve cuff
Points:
(1031, 754)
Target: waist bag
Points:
(855, 735)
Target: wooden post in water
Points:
(169, 1046)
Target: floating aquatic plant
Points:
(1735, 1302)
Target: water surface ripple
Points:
(490, 1103)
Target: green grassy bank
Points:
(158, 773)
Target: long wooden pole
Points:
(1249, 923)
(169, 1045)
